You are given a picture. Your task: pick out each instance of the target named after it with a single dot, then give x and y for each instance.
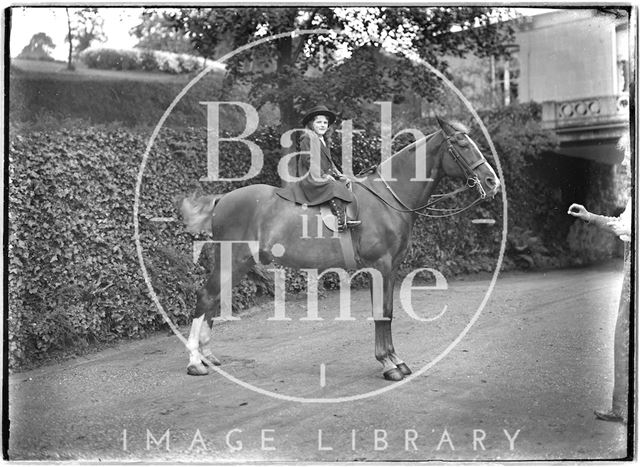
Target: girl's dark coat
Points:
(311, 190)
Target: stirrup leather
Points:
(340, 213)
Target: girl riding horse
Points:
(323, 182)
(263, 228)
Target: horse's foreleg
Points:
(400, 364)
(388, 339)
(389, 369)
(384, 344)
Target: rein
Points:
(448, 211)
(472, 181)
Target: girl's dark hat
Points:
(319, 110)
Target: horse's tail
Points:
(197, 212)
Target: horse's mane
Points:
(421, 140)
(371, 170)
(455, 124)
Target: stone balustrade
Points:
(589, 128)
(586, 112)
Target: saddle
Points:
(329, 222)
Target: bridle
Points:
(467, 169)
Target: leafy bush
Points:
(140, 59)
(36, 55)
(541, 187)
(111, 59)
(148, 61)
(73, 267)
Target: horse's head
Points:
(464, 160)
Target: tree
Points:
(155, 32)
(280, 71)
(39, 48)
(85, 25)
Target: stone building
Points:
(576, 63)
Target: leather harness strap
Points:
(348, 251)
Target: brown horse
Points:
(388, 207)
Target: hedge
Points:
(74, 277)
(73, 271)
(105, 58)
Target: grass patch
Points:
(47, 95)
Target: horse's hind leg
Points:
(207, 308)
(200, 333)
(199, 337)
(196, 365)
(205, 337)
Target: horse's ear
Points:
(446, 126)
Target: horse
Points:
(388, 208)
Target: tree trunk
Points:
(69, 64)
(287, 110)
(283, 70)
(288, 114)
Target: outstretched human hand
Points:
(579, 211)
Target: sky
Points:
(27, 21)
(53, 21)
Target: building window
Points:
(622, 59)
(623, 75)
(505, 76)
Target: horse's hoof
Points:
(404, 368)
(197, 370)
(394, 374)
(210, 358)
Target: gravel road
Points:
(521, 384)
